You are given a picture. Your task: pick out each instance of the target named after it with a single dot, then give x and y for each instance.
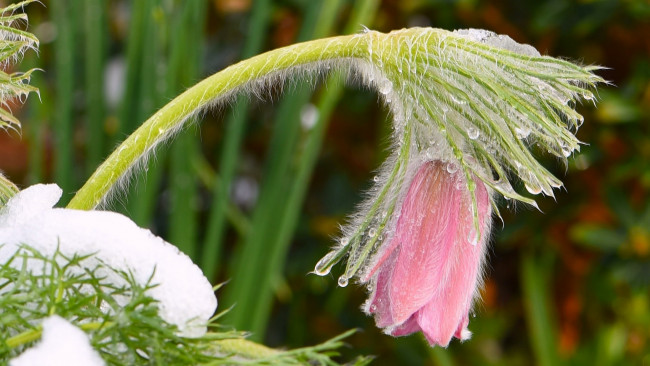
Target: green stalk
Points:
(183, 69)
(440, 356)
(170, 118)
(63, 14)
(232, 144)
(95, 53)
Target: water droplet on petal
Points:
(473, 236)
(452, 168)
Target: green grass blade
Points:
(63, 14)
(235, 124)
(251, 275)
(95, 55)
(146, 187)
(136, 49)
(264, 252)
(537, 304)
(183, 70)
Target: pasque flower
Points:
(466, 107)
(427, 274)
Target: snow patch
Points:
(185, 295)
(498, 40)
(61, 344)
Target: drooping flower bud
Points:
(426, 276)
(468, 104)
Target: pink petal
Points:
(428, 275)
(426, 231)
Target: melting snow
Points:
(61, 344)
(498, 40)
(185, 295)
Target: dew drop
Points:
(504, 186)
(457, 101)
(522, 132)
(385, 86)
(452, 168)
(323, 267)
(588, 96)
(472, 133)
(375, 178)
(473, 236)
(372, 232)
(373, 308)
(343, 281)
(384, 214)
(533, 188)
(566, 149)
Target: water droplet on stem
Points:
(343, 281)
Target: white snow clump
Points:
(185, 296)
(61, 344)
(498, 40)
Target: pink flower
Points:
(427, 276)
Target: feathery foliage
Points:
(122, 321)
(14, 43)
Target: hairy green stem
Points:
(218, 86)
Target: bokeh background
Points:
(254, 192)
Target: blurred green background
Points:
(255, 191)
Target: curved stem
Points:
(263, 68)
